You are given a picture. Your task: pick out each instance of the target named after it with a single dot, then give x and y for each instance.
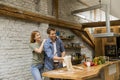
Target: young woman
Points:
(38, 55)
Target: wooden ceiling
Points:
(100, 24)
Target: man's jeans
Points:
(37, 71)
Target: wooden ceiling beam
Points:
(90, 37)
(55, 8)
(30, 16)
(78, 33)
(100, 24)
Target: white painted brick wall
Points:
(43, 30)
(15, 54)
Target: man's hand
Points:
(62, 59)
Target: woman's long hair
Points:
(32, 39)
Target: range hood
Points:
(108, 32)
(106, 6)
(103, 35)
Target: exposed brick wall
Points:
(65, 8)
(15, 54)
(38, 6)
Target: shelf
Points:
(75, 47)
(66, 38)
(75, 62)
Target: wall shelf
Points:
(75, 47)
(63, 38)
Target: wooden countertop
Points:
(77, 74)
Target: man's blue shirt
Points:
(49, 52)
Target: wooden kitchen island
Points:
(107, 71)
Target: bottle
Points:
(73, 56)
(58, 33)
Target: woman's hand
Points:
(43, 40)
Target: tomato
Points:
(91, 63)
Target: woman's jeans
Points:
(37, 71)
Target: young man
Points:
(54, 51)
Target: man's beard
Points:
(53, 39)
